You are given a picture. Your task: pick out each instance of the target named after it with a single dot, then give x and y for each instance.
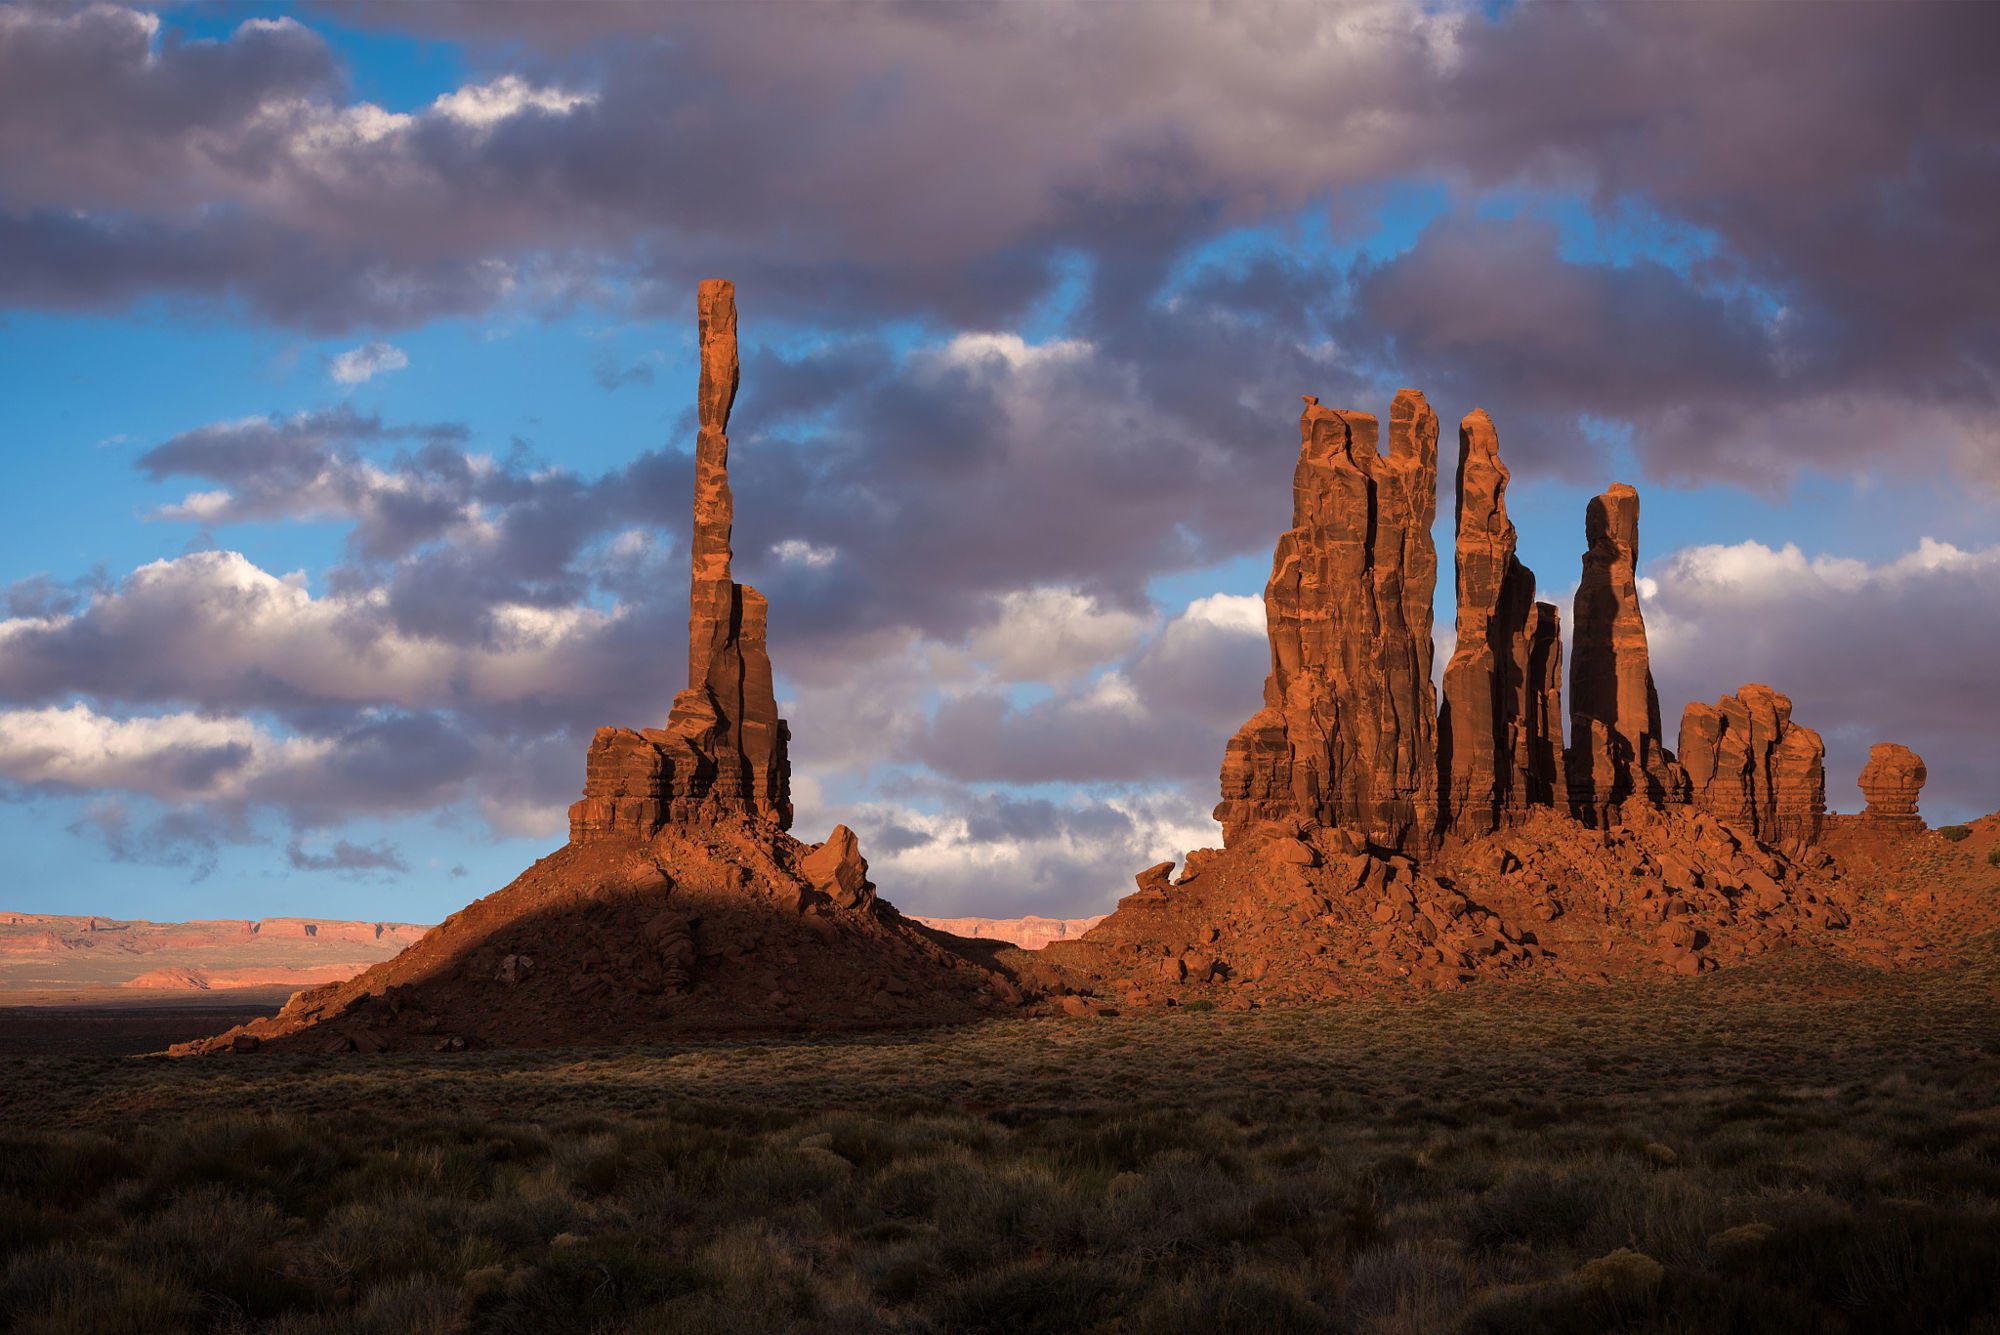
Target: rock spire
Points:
(723, 753)
(1891, 780)
(1346, 736)
(1748, 764)
(1495, 757)
(1615, 753)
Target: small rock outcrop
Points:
(1749, 765)
(1495, 760)
(723, 752)
(1615, 753)
(1346, 736)
(1891, 781)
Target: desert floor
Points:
(1800, 1145)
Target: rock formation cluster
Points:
(723, 753)
(1748, 764)
(1890, 781)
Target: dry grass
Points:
(1802, 1150)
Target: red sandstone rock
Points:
(724, 751)
(1346, 735)
(1615, 752)
(1891, 780)
(1749, 764)
(837, 869)
(1495, 759)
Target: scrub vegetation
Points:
(1804, 1147)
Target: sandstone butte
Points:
(680, 904)
(1373, 835)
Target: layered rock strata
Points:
(1495, 759)
(1346, 736)
(1891, 781)
(1616, 756)
(723, 752)
(1749, 765)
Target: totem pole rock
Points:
(1891, 780)
(1493, 751)
(723, 753)
(1615, 753)
(1748, 764)
(1347, 733)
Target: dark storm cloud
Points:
(863, 162)
(348, 858)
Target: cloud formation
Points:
(358, 365)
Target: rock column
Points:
(1493, 756)
(723, 753)
(1347, 733)
(1615, 755)
(1891, 781)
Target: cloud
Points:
(1777, 218)
(357, 365)
(349, 858)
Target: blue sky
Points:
(1017, 420)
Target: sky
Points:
(347, 382)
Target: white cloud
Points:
(370, 359)
(485, 105)
(214, 626)
(174, 757)
(1054, 635)
(798, 552)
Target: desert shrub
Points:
(1413, 1287)
(1034, 1298)
(220, 1244)
(1953, 834)
(1993, 858)
(65, 1290)
(1533, 1206)
(1240, 1302)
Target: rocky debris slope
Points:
(1346, 734)
(1749, 764)
(680, 904)
(1615, 751)
(697, 930)
(1498, 754)
(1891, 782)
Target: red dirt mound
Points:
(629, 941)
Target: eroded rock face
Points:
(1891, 781)
(1347, 733)
(837, 870)
(1748, 764)
(1494, 755)
(723, 752)
(1615, 755)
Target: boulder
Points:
(1891, 781)
(837, 869)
